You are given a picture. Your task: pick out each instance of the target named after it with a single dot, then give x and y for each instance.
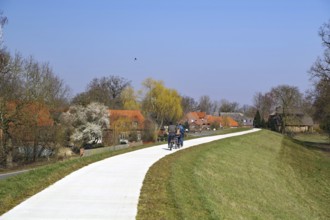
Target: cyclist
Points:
(171, 132)
(181, 129)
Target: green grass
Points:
(16, 189)
(314, 141)
(312, 137)
(256, 176)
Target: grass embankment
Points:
(314, 141)
(257, 176)
(313, 138)
(18, 188)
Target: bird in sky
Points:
(135, 59)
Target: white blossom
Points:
(87, 122)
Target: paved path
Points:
(108, 189)
(6, 175)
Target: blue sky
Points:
(223, 49)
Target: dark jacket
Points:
(172, 129)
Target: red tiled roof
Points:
(201, 118)
(201, 114)
(133, 115)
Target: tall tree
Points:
(25, 83)
(3, 21)
(33, 129)
(257, 120)
(264, 103)
(160, 103)
(320, 75)
(26, 87)
(130, 99)
(215, 108)
(188, 104)
(248, 111)
(10, 89)
(41, 84)
(288, 98)
(106, 90)
(205, 104)
(226, 106)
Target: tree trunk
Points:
(9, 154)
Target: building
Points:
(240, 118)
(125, 125)
(199, 121)
(295, 121)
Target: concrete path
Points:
(108, 189)
(7, 175)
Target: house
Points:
(196, 121)
(223, 121)
(239, 117)
(199, 121)
(124, 125)
(295, 121)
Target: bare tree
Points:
(264, 103)
(321, 68)
(288, 98)
(25, 83)
(205, 104)
(248, 111)
(226, 106)
(3, 21)
(215, 108)
(189, 104)
(320, 75)
(39, 83)
(10, 75)
(106, 90)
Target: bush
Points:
(149, 133)
(215, 125)
(133, 136)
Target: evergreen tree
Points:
(263, 123)
(257, 120)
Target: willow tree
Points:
(130, 99)
(162, 104)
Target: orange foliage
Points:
(201, 118)
(31, 111)
(131, 115)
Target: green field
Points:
(313, 138)
(257, 176)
